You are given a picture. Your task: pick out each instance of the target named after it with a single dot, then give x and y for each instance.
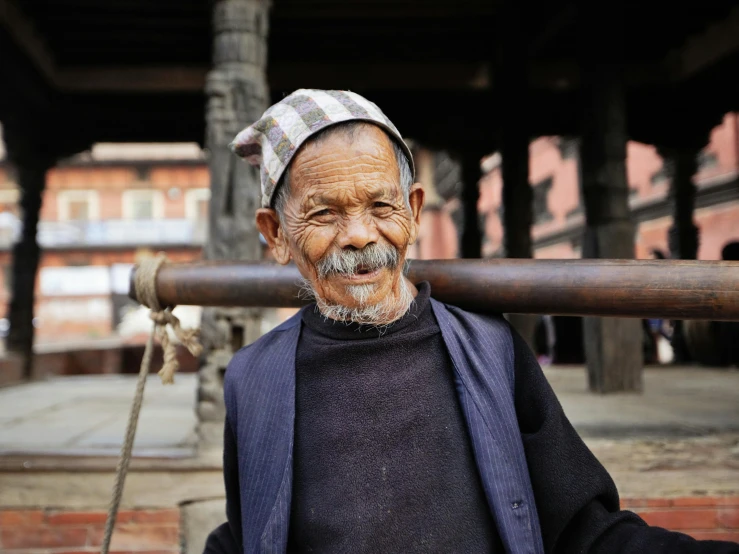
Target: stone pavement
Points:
(676, 402)
(86, 416)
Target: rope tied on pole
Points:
(146, 294)
(145, 290)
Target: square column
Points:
(613, 346)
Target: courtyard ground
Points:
(672, 450)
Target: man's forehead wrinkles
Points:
(335, 160)
(371, 192)
(320, 182)
(356, 170)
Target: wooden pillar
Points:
(471, 246)
(613, 347)
(517, 196)
(237, 96)
(681, 164)
(512, 88)
(26, 255)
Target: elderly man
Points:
(378, 419)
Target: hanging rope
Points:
(145, 288)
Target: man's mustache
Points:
(348, 262)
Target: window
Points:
(78, 205)
(79, 210)
(196, 204)
(706, 160)
(540, 208)
(661, 175)
(143, 204)
(196, 211)
(9, 200)
(142, 208)
(569, 147)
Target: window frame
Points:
(65, 197)
(132, 195)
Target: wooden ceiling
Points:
(134, 70)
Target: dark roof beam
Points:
(132, 79)
(316, 9)
(23, 32)
(286, 75)
(718, 41)
(563, 19)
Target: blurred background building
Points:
(558, 209)
(105, 208)
(101, 211)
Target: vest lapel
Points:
(265, 422)
(481, 350)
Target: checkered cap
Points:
(272, 141)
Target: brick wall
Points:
(74, 532)
(158, 531)
(714, 518)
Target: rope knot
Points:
(145, 288)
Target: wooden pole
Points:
(677, 289)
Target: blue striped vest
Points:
(259, 390)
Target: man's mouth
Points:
(362, 273)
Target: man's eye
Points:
(323, 212)
(382, 205)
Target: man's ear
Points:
(416, 198)
(269, 225)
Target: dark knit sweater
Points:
(382, 458)
(576, 499)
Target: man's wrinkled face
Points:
(346, 223)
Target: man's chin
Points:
(367, 303)
(352, 293)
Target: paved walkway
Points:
(676, 402)
(87, 415)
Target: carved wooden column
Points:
(237, 96)
(26, 255)
(613, 347)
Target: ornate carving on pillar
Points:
(237, 96)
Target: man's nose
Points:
(358, 233)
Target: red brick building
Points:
(559, 215)
(101, 211)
